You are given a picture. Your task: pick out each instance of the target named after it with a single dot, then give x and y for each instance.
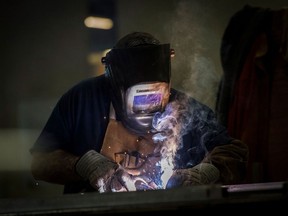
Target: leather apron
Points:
(125, 148)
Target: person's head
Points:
(138, 68)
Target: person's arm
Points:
(231, 160)
(61, 167)
(225, 164)
(55, 167)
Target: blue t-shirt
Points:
(80, 118)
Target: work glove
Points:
(144, 170)
(201, 174)
(96, 168)
(148, 175)
(122, 180)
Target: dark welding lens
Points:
(149, 103)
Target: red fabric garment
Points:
(248, 117)
(258, 113)
(277, 157)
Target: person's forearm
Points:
(54, 167)
(231, 160)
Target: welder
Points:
(128, 129)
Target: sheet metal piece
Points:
(198, 200)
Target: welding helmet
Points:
(138, 69)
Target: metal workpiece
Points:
(199, 199)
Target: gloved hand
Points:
(148, 175)
(203, 173)
(96, 168)
(122, 180)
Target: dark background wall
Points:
(45, 48)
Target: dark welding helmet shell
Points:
(126, 67)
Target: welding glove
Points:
(148, 174)
(96, 168)
(201, 174)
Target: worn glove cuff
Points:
(93, 164)
(205, 173)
